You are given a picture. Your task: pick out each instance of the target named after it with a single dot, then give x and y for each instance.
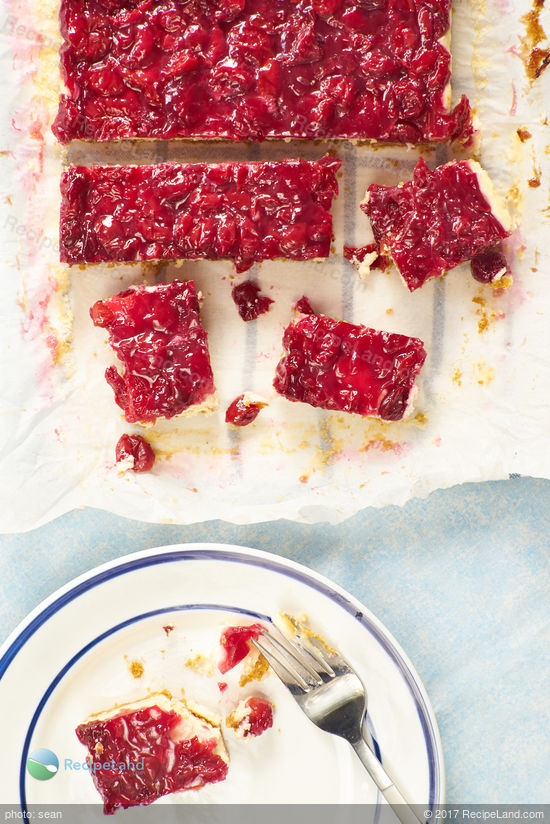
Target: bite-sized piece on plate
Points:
(241, 211)
(235, 644)
(133, 452)
(143, 750)
(376, 70)
(250, 303)
(244, 409)
(349, 368)
(251, 717)
(157, 335)
(437, 220)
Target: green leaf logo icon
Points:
(42, 764)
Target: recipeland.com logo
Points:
(43, 764)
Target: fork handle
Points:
(393, 796)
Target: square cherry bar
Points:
(255, 69)
(346, 367)
(141, 751)
(246, 212)
(436, 220)
(157, 335)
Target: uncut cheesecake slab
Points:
(156, 334)
(243, 211)
(256, 69)
(437, 220)
(346, 367)
(143, 750)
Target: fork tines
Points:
(301, 662)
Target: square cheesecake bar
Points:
(157, 336)
(437, 220)
(256, 69)
(243, 211)
(140, 751)
(347, 367)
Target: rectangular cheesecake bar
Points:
(243, 211)
(143, 750)
(437, 220)
(256, 69)
(346, 367)
(157, 336)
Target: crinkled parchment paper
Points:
(483, 407)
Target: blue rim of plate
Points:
(251, 557)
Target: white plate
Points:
(71, 657)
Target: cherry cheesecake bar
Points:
(437, 220)
(243, 211)
(346, 367)
(255, 69)
(140, 751)
(156, 334)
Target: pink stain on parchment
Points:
(502, 6)
(31, 130)
(514, 246)
(514, 106)
(383, 445)
(31, 123)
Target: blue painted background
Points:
(462, 579)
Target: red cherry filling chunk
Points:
(243, 410)
(157, 335)
(252, 717)
(246, 212)
(235, 644)
(138, 755)
(251, 70)
(136, 448)
(250, 303)
(435, 221)
(260, 716)
(357, 255)
(348, 368)
(303, 306)
(489, 265)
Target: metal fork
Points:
(332, 696)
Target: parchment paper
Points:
(482, 410)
